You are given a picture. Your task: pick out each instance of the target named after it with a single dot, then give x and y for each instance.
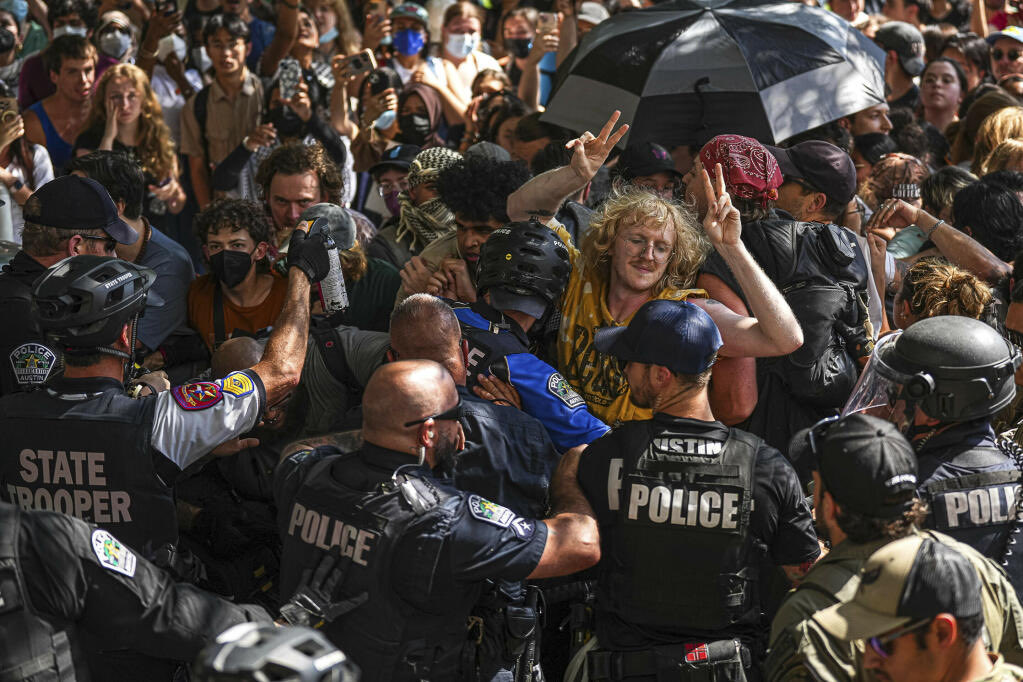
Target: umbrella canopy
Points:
(686, 70)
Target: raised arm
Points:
(542, 196)
(573, 541)
(773, 329)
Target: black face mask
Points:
(286, 122)
(231, 267)
(518, 47)
(414, 129)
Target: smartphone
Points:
(289, 75)
(383, 78)
(377, 8)
(8, 108)
(166, 7)
(547, 22)
(360, 62)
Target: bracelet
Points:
(148, 55)
(933, 228)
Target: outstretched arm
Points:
(773, 329)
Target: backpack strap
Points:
(201, 110)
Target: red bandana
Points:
(751, 172)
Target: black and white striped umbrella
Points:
(685, 70)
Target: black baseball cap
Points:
(71, 202)
(505, 298)
(907, 42)
(822, 165)
(673, 334)
(645, 158)
(912, 579)
(866, 464)
(399, 157)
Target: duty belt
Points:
(621, 665)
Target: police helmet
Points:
(525, 258)
(954, 368)
(252, 652)
(85, 301)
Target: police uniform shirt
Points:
(84, 580)
(25, 359)
(74, 447)
(780, 523)
(498, 346)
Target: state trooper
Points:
(941, 381)
(690, 512)
(83, 446)
(417, 551)
(865, 477)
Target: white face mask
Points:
(461, 45)
(70, 31)
(201, 59)
(172, 44)
(115, 43)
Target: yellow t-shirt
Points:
(598, 378)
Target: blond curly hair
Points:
(630, 206)
(1002, 125)
(933, 287)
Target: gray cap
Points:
(907, 42)
(339, 223)
(489, 151)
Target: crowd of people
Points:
(593, 406)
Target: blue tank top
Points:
(60, 151)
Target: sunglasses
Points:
(882, 646)
(453, 413)
(1012, 54)
(109, 243)
(818, 431)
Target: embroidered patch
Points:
(197, 396)
(523, 528)
(238, 384)
(32, 363)
(559, 388)
(485, 510)
(112, 554)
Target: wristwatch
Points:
(18, 184)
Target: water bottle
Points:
(333, 295)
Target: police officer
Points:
(417, 551)
(67, 216)
(942, 381)
(522, 271)
(690, 511)
(865, 477)
(83, 447)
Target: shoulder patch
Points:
(238, 384)
(32, 363)
(490, 512)
(523, 528)
(197, 396)
(112, 554)
(559, 388)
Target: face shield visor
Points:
(880, 390)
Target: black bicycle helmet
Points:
(264, 653)
(85, 301)
(525, 258)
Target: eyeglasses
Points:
(997, 55)
(637, 246)
(452, 413)
(882, 645)
(109, 243)
(385, 188)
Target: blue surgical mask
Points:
(409, 41)
(70, 31)
(386, 120)
(114, 43)
(329, 36)
(461, 45)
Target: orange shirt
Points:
(251, 319)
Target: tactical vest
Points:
(30, 648)
(89, 456)
(28, 361)
(488, 342)
(680, 543)
(387, 637)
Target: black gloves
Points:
(313, 603)
(308, 253)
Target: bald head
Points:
(403, 391)
(235, 354)
(424, 327)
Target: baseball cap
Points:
(489, 151)
(502, 298)
(909, 579)
(821, 164)
(340, 224)
(400, 157)
(1013, 32)
(865, 463)
(673, 334)
(645, 158)
(411, 10)
(71, 202)
(592, 13)
(907, 42)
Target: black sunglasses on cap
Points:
(452, 413)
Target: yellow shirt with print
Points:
(597, 377)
